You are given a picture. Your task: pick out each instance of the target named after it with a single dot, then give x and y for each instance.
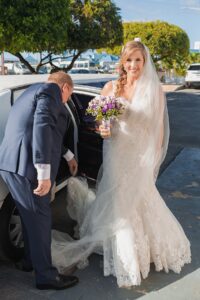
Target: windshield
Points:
(194, 68)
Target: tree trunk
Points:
(25, 62)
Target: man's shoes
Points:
(61, 282)
(23, 266)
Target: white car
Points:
(17, 68)
(86, 144)
(193, 75)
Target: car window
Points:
(194, 68)
(81, 102)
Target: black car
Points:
(87, 146)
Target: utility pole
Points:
(2, 63)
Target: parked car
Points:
(82, 71)
(17, 68)
(78, 71)
(87, 146)
(193, 75)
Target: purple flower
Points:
(110, 105)
(104, 109)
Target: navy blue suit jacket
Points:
(34, 131)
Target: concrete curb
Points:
(186, 288)
(172, 87)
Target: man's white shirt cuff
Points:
(43, 171)
(68, 155)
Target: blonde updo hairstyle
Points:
(127, 50)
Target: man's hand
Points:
(43, 187)
(73, 166)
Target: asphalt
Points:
(179, 184)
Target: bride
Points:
(127, 221)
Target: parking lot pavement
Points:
(179, 185)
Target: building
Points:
(197, 45)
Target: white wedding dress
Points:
(126, 219)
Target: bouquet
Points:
(105, 108)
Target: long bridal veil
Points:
(149, 104)
(126, 219)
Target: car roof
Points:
(194, 64)
(17, 81)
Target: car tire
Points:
(11, 239)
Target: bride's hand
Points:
(104, 132)
(73, 166)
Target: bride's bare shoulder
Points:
(107, 89)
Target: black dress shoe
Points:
(61, 282)
(23, 266)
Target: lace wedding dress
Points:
(126, 219)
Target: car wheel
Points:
(11, 239)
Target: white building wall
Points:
(197, 45)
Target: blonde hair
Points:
(127, 50)
(61, 78)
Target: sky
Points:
(183, 13)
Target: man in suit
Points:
(29, 158)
